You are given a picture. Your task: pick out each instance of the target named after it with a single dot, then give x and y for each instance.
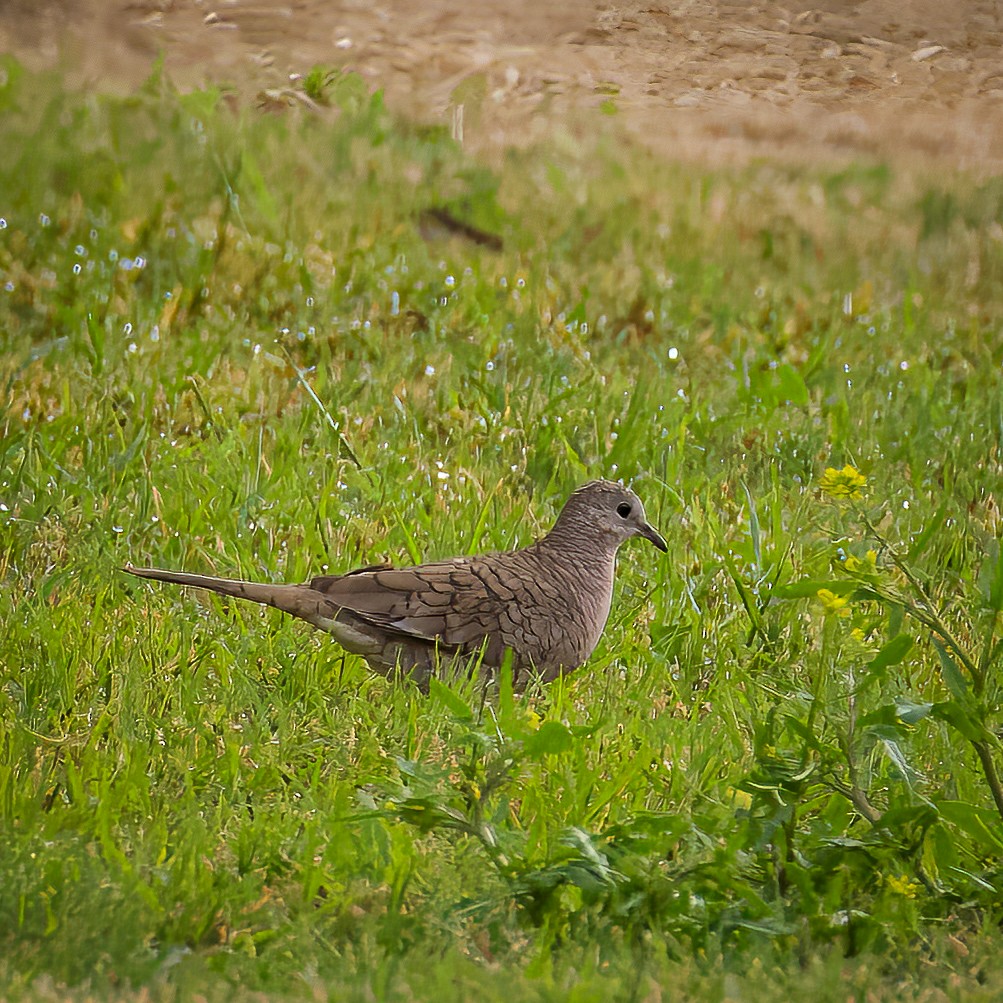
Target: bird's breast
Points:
(560, 609)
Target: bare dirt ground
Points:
(911, 81)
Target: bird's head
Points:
(605, 511)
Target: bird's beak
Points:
(650, 533)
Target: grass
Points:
(248, 344)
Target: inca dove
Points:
(547, 603)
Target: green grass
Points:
(238, 345)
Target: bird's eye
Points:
(623, 510)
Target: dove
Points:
(543, 607)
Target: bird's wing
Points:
(447, 601)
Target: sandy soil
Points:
(913, 81)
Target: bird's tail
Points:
(288, 598)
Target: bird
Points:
(540, 609)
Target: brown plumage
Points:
(547, 603)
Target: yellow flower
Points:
(740, 799)
(857, 645)
(901, 885)
(867, 566)
(832, 603)
(846, 483)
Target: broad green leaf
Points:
(754, 531)
(891, 732)
(551, 739)
(891, 653)
(910, 712)
(960, 718)
(884, 716)
(901, 821)
(954, 678)
(896, 617)
(252, 183)
(974, 878)
(980, 823)
(511, 718)
(991, 577)
(456, 706)
(791, 385)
